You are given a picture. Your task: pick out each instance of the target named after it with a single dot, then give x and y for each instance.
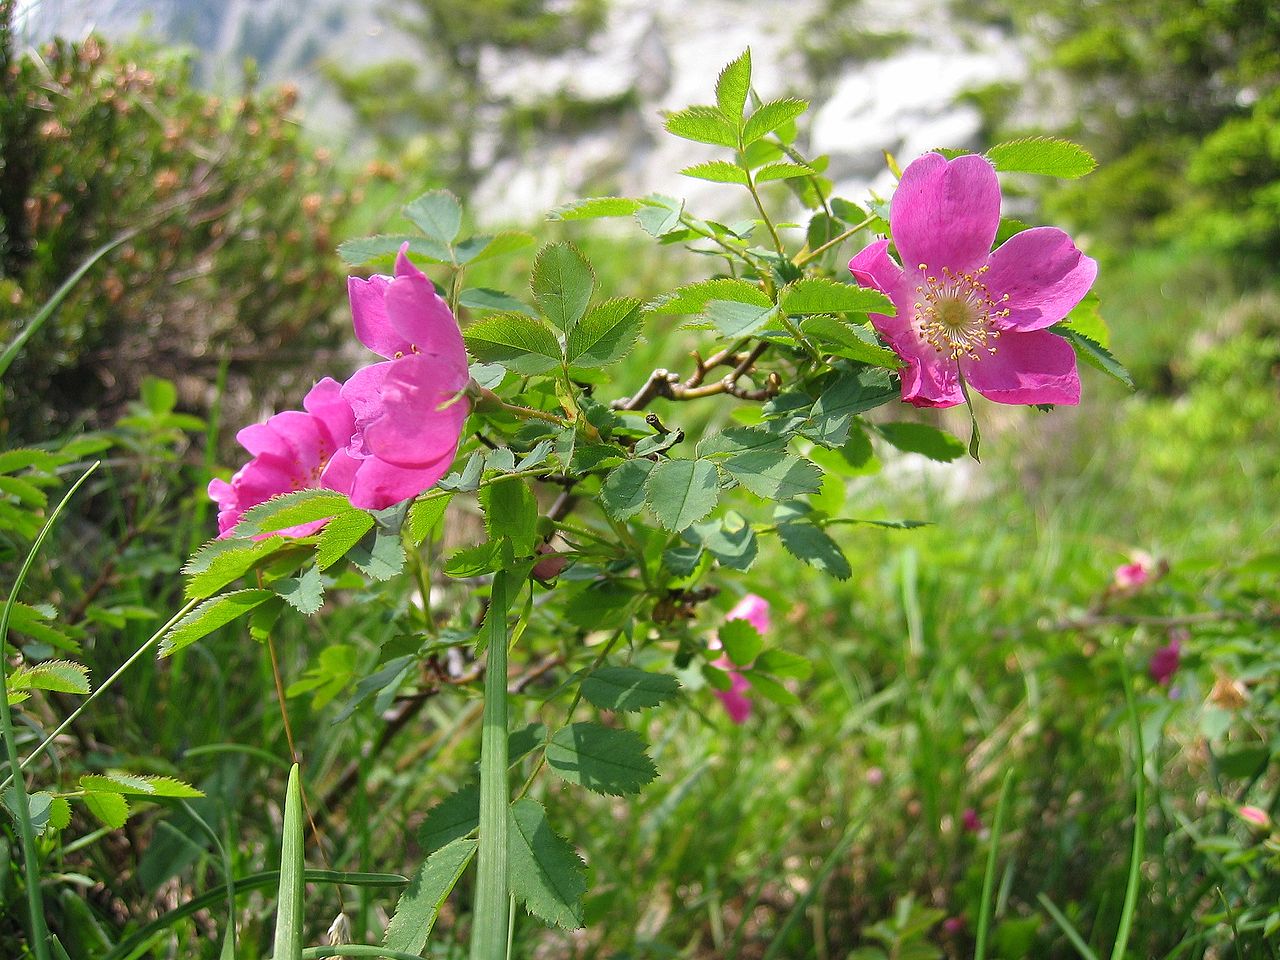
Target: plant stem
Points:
(1139, 819)
(19, 805)
(777, 241)
(989, 878)
(493, 904)
(834, 241)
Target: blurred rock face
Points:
(885, 79)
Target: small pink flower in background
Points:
(1255, 816)
(290, 452)
(410, 410)
(874, 776)
(970, 820)
(1165, 661)
(953, 926)
(754, 610)
(962, 308)
(1137, 573)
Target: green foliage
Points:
(419, 906)
(602, 759)
(627, 688)
(117, 148)
(546, 874)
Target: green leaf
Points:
(694, 297)
(594, 208)
(809, 543)
(605, 605)
(627, 688)
(292, 510)
(1095, 354)
(774, 474)
(453, 818)
(289, 898)
(24, 491)
(681, 492)
(59, 813)
(424, 515)
(209, 616)
(58, 676)
(474, 561)
(850, 340)
(1043, 155)
(623, 492)
(220, 562)
(924, 439)
(511, 513)
(851, 394)
(1086, 320)
(735, 320)
(380, 557)
(733, 440)
(782, 171)
(22, 458)
(492, 301)
(305, 593)
(770, 117)
(518, 342)
(606, 334)
(780, 663)
(562, 284)
(365, 249)
(659, 215)
(730, 540)
(717, 171)
(341, 534)
(138, 785)
(543, 870)
(109, 809)
(818, 295)
(437, 214)
(703, 125)
(478, 249)
(769, 688)
(733, 85)
(847, 211)
(602, 759)
(742, 641)
(419, 905)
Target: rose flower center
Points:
(957, 313)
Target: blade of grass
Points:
(1139, 821)
(356, 950)
(15, 347)
(1067, 928)
(989, 877)
(101, 689)
(243, 885)
(493, 902)
(288, 939)
(802, 904)
(30, 859)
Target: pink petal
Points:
(874, 268)
(930, 379)
(340, 473)
(422, 415)
(735, 698)
(369, 315)
(308, 440)
(1043, 274)
(1035, 367)
(753, 609)
(945, 212)
(378, 484)
(363, 393)
(324, 401)
(421, 318)
(260, 438)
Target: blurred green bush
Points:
(235, 218)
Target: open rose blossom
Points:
(962, 309)
(409, 411)
(754, 610)
(290, 452)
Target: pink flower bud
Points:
(1165, 661)
(1256, 816)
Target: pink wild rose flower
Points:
(1137, 573)
(290, 452)
(409, 411)
(1165, 661)
(754, 610)
(963, 309)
